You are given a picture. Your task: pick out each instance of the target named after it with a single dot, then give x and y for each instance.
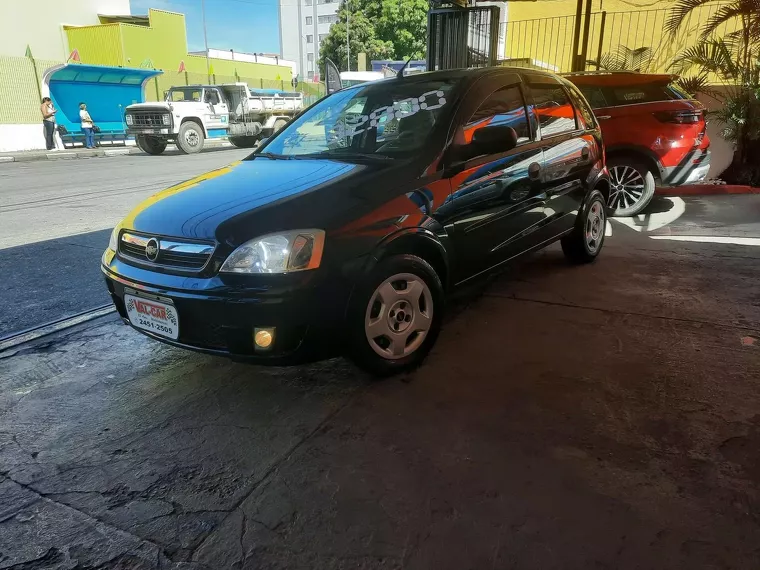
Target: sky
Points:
(242, 25)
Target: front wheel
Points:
(395, 315)
(587, 238)
(190, 138)
(150, 145)
(632, 186)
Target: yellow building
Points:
(159, 41)
(541, 33)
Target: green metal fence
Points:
(20, 88)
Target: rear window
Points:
(647, 93)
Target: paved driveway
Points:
(570, 417)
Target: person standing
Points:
(48, 122)
(87, 126)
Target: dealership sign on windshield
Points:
(357, 124)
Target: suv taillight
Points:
(679, 117)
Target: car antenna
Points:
(400, 73)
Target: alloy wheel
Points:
(595, 226)
(399, 316)
(627, 187)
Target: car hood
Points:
(250, 198)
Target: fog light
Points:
(263, 338)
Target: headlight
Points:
(167, 119)
(277, 253)
(130, 120)
(113, 243)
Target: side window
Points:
(504, 107)
(594, 96)
(581, 106)
(552, 106)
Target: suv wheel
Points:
(395, 315)
(631, 186)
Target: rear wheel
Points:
(244, 142)
(395, 315)
(631, 186)
(190, 138)
(587, 238)
(278, 125)
(150, 145)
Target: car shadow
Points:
(48, 280)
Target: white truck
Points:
(191, 114)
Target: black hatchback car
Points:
(345, 232)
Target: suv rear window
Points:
(643, 94)
(631, 94)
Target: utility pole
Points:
(205, 40)
(348, 38)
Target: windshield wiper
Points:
(349, 154)
(273, 156)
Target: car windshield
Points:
(388, 119)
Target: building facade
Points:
(304, 24)
(39, 25)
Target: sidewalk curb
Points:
(706, 190)
(101, 153)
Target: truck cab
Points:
(190, 114)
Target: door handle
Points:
(604, 117)
(534, 171)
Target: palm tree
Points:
(624, 59)
(734, 59)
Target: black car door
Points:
(496, 199)
(569, 150)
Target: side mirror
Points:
(494, 139)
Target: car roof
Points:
(471, 73)
(617, 78)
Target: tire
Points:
(278, 125)
(150, 145)
(381, 304)
(631, 186)
(190, 138)
(587, 238)
(243, 142)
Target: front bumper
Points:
(692, 169)
(153, 131)
(306, 311)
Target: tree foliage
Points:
(625, 59)
(734, 59)
(383, 29)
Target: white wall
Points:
(721, 152)
(251, 57)
(40, 24)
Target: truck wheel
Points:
(150, 145)
(244, 142)
(190, 138)
(278, 125)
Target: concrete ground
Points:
(56, 218)
(605, 416)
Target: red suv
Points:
(654, 134)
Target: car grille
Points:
(148, 119)
(182, 255)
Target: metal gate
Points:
(463, 37)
